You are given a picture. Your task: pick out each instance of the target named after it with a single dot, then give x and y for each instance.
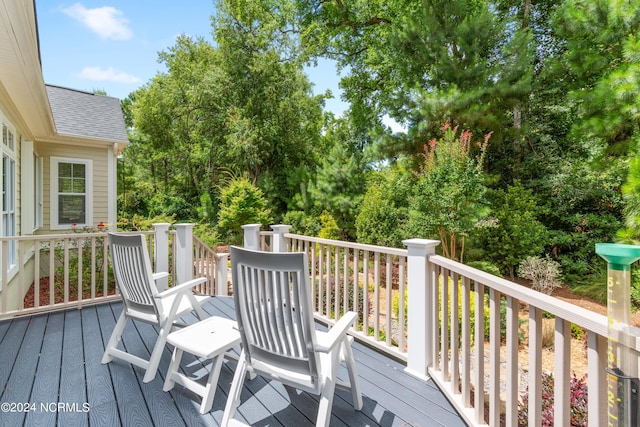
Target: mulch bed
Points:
(58, 296)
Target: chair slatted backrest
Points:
(132, 271)
(273, 308)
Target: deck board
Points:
(72, 372)
(56, 358)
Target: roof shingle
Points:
(85, 114)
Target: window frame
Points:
(38, 193)
(9, 216)
(55, 193)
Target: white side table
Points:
(211, 338)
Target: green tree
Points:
(448, 198)
(339, 183)
(602, 60)
(242, 105)
(423, 62)
(631, 195)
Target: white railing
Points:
(482, 375)
(460, 375)
(55, 272)
(213, 266)
(370, 280)
(59, 271)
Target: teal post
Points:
(622, 360)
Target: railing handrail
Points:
(350, 245)
(573, 313)
(60, 236)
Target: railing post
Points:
(252, 236)
(161, 253)
(222, 274)
(420, 283)
(279, 243)
(184, 252)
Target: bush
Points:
(301, 223)
(329, 227)
(140, 223)
(383, 211)
(515, 233)
(543, 273)
(241, 203)
(486, 266)
(577, 402)
(207, 234)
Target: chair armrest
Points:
(337, 332)
(161, 275)
(183, 287)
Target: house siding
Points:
(99, 158)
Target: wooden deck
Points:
(50, 374)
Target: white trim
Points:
(112, 182)
(38, 190)
(27, 185)
(54, 162)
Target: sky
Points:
(113, 45)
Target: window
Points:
(71, 196)
(37, 191)
(9, 193)
(7, 137)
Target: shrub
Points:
(207, 234)
(301, 223)
(241, 203)
(543, 273)
(577, 402)
(140, 223)
(329, 227)
(383, 211)
(486, 266)
(515, 232)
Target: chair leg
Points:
(233, 400)
(156, 354)
(328, 391)
(115, 338)
(354, 381)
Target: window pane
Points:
(64, 170)
(11, 185)
(71, 209)
(5, 184)
(65, 185)
(78, 170)
(78, 185)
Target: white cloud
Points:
(109, 74)
(108, 22)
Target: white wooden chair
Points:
(279, 339)
(142, 301)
